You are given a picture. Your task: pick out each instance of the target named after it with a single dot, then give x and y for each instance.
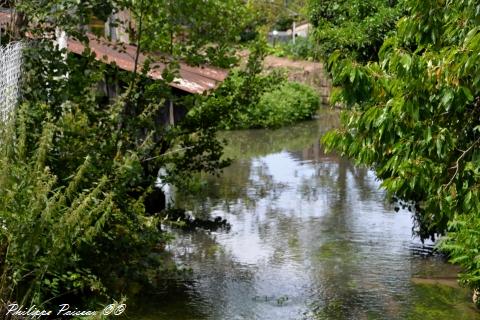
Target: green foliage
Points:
(77, 167)
(241, 94)
(77, 236)
(275, 14)
(40, 17)
(241, 89)
(304, 48)
(462, 244)
(250, 99)
(267, 102)
(199, 32)
(287, 104)
(413, 117)
(356, 28)
(283, 23)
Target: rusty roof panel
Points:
(190, 79)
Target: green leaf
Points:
(406, 61)
(353, 73)
(468, 94)
(447, 98)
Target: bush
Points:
(263, 102)
(250, 99)
(287, 104)
(74, 175)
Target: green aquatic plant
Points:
(439, 302)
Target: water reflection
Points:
(312, 238)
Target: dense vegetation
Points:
(350, 28)
(196, 31)
(261, 101)
(413, 117)
(77, 168)
(353, 28)
(251, 98)
(76, 231)
(276, 14)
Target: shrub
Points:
(231, 103)
(287, 104)
(265, 102)
(250, 99)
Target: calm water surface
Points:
(312, 237)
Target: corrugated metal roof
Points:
(190, 79)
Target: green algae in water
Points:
(428, 302)
(441, 302)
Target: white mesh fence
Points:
(10, 71)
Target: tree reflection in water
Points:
(312, 237)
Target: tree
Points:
(413, 117)
(356, 28)
(76, 169)
(199, 32)
(275, 14)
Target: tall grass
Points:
(53, 234)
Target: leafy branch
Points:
(457, 163)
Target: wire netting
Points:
(10, 71)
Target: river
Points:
(312, 237)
